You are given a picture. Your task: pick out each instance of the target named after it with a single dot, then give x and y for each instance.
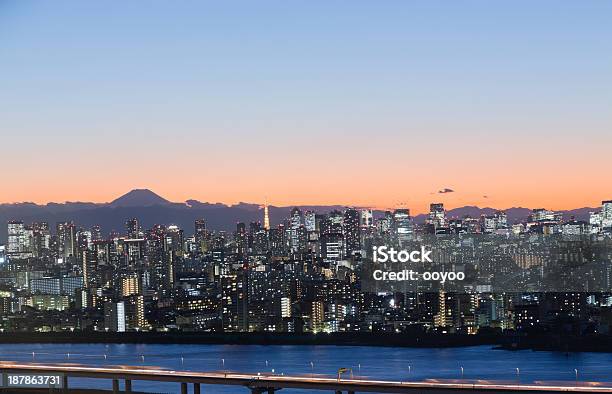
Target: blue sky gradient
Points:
(308, 101)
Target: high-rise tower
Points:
(266, 217)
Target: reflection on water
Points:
(404, 364)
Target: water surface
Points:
(479, 362)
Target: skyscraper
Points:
(41, 238)
(133, 228)
(367, 218)
(174, 240)
(332, 246)
(241, 238)
(130, 285)
(402, 226)
(89, 265)
(332, 237)
(16, 238)
(134, 313)
(317, 316)
(385, 224)
(68, 236)
(114, 316)
(200, 235)
(437, 215)
(285, 306)
(606, 215)
(310, 222)
(352, 231)
(278, 241)
(295, 225)
(96, 233)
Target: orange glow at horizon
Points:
(417, 203)
(371, 172)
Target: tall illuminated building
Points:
(352, 231)
(114, 316)
(595, 222)
(133, 228)
(367, 219)
(96, 233)
(402, 226)
(242, 299)
(332, 238)
(278, 241)
(200, 235)
(41, 238)
(501, 220)
(285, 306)
(130, 285)
(437, 215)
(69, 238)
(134, 313)
(606, 215)
(295, 223)
(266, 217)
(174, 240)
(84, 242)
(384, 225)
(310, 221)
(134, 250)
(317, 316)
(173, 253)
(16, 238)
(89, 266)
(60, 235)
(241, 238)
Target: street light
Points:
(311, 369)
(576, 371)
(461, 372)
(518, 376)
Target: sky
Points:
(367, 103)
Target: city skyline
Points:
(316, 103)
(316, 195)
(313, 272)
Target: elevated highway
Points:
(56, 377)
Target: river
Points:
(479, 362)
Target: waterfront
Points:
(480, 362)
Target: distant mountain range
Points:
(152, 209)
